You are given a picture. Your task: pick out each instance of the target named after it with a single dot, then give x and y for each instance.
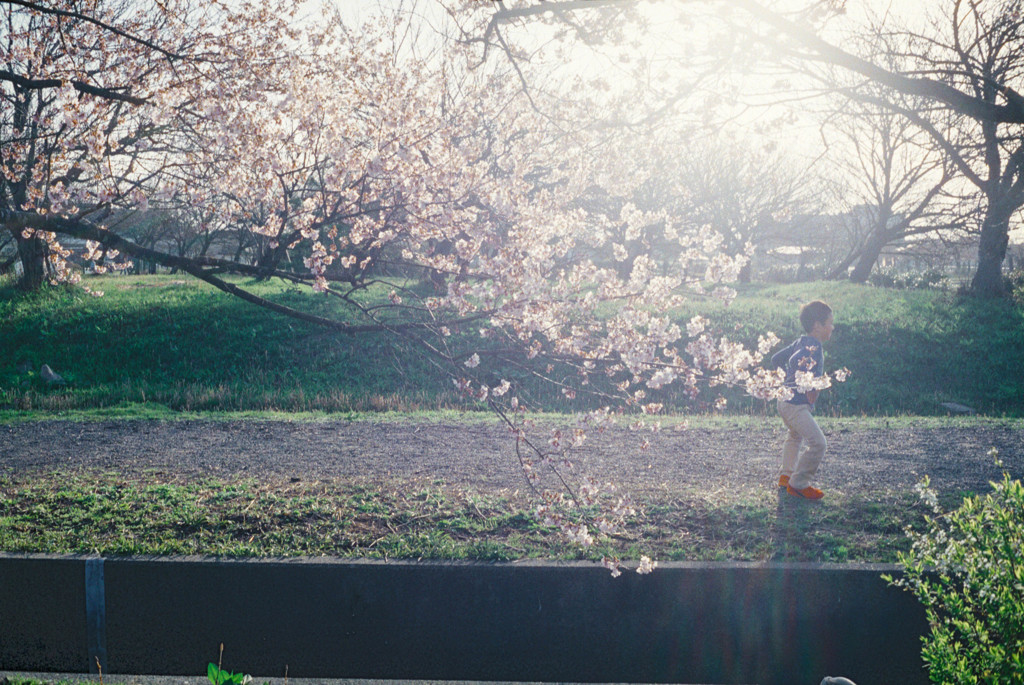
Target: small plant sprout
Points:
(218, 676)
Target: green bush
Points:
(1015, 285)
(967, 569)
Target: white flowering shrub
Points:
(967, 569)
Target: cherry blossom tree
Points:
(99, 104)
(434, 181)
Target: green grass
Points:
(159, 345)
(909, 350)
(714, 421)
(102, 513)
(184, 345)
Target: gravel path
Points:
(481, 455)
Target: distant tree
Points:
(741, 193)
(963, 74)
(965, 69)
(147, 229)
(895, 184)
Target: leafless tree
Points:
(896, 183)
(965, 71)
(742, 193)
(959, 85)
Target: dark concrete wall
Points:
(685, 623)
(42, 613)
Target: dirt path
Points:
(481, 456)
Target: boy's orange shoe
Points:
(806, 493)
(783, 481)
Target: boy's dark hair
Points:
(812, 313)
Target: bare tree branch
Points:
(206, 269)
(960, 102)
(43, 9)
(506, 14)
(80, 86)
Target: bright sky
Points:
(802, 139)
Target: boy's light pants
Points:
(802, 429)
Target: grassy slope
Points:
(909, 350)
(155, 343)
(187, 346)
(180, 344)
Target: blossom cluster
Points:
(416, 170)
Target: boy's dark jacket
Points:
(803, 354)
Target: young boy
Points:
(804, 354)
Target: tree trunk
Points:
(745, 274)
(206, 243)
(6, 265)
(868, 258)
(801, 269)
(995, 234)
(32, 253)
(241, 246)
(838, 272)
(271, 258)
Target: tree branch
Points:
(506, 14)
(80, 86)
(43, 9)
(962, 103)
(205, 269)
